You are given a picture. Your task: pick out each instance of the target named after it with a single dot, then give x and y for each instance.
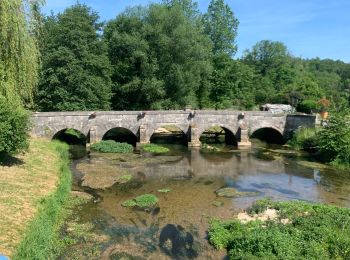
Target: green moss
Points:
(111, 146)
(143, 201)
(129, 203)
(125, 178)
(154, 148)
(315, 231)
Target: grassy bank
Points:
(295, 230)
(32, 191)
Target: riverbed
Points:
(186, 182)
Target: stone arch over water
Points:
(218, 134)
(121, 135)
(171, 134)
(268, 134)
(71, 136)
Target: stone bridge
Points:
(94, 125)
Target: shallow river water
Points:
(177, 228)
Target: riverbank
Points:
(285, 230)
(33, 189)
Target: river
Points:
(177, 227)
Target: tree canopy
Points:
(76, 69)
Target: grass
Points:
(23, 187)
(313, 231)
(143, 201)
(41, 239)
(111, 146)
(154, 148)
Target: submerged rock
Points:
(217, 203)
(86, 197)
(230, 192)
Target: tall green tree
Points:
(19, 64)
(221, 26)
(160, 57)
(76, 69)
(189, 7)
(273, 68)
(134, 66)
(19, 55)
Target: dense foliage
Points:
(333, 141)
(169, 55)
(14, 126)
(76, 70)
(313, 231)
(160, 58)
(111, 146)
(19, 56)
(19, 65)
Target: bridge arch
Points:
(70, 136)
(169, 133)
(121, 135)
(269, 134)
(212, 132)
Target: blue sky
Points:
(310, 28)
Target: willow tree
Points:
(19, 56)
(19, 65)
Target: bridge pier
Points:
(144, 137)
(92, 136)
(244, 142)
(194, 137)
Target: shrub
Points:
(314, 231)
(334, 140)
(14, 125)
(154, 148)
(111, 146)
(307, 106)
(305, 139)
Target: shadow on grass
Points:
(8, 160)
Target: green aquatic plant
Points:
(111, 146)
(143, 201)
(154, 148)
(164, 190)
(125, 178)
(129, 203)
(300, 231)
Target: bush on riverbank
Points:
(330, 144)
(304, 139)
(42, 236)
(334, 140)
(14, 125)
(154, 148)
(309, 231)
(111, 146)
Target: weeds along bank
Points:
(33, 189)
